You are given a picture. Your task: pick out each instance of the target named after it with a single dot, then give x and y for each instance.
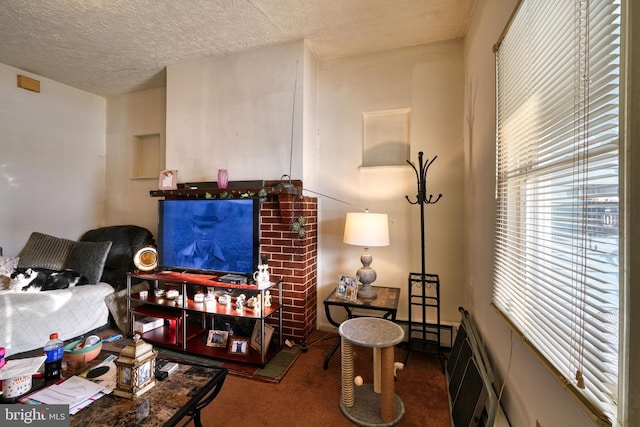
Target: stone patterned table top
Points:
(157, 406)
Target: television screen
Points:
(212, 235)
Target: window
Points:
(558, 189)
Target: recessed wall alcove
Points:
(146, 160)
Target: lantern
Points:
(135, 368)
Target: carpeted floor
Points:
(293, 390)
(309, 396)
(301, 393)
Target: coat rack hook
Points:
(421, 177)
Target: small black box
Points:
(234, 279)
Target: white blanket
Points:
(27, 319)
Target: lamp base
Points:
(367, 292)
(367, 276)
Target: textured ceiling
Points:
(110, 47)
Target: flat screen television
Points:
(209, 235)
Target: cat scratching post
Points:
(378, 404)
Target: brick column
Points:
(294, 258)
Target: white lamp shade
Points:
(366, 229)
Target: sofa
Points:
(103, 256)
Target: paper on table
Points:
(77, 408)
(21, 367)
(70, 392)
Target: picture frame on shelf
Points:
(168, 180)
(347, 287)
(239, 346)
(217, 338)
(256, 337)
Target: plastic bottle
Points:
(54, 349)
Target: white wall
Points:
(428, 79)
(531, 393)
(310, 127)
(235, 112)
(128, 115)
(52, 167)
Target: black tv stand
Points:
(187, 322)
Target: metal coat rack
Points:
(424, 336)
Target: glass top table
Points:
(181, 395)
(385, 305)
(178, 398)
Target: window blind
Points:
(557, 270)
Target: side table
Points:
(386, 304)
(362, 405)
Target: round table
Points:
(366, 405)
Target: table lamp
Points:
(368, 230)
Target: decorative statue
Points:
(240, 302)
(267, 298)
(262, 275)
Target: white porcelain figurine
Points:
(240, 302)
(262, 275)
(267, 298)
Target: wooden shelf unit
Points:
(183, 317)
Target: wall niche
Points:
(147, 161)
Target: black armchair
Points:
(126, 240)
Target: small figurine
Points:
(267, 298)
(209, 298)
(240, 302)
(262, 275)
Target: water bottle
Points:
(54, 349)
